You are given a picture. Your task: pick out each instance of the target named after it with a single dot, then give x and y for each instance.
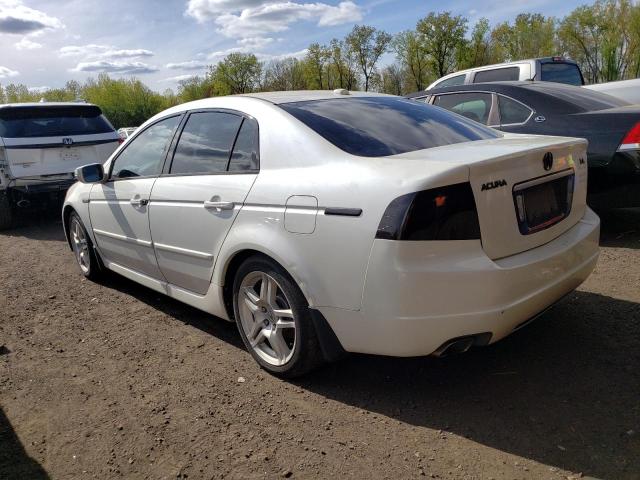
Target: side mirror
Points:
(93, 173)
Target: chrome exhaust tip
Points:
(462, 344)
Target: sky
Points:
(45, 43)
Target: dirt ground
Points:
(112, 380)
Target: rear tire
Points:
(274, 320)
(83, 249)
(6, 212)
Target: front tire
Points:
(274, 320)
(83, 248)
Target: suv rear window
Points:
(381, 126)
(19, 122)
(497, 75)
(561, 73)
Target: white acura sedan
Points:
(325, 222)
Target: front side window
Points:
(512, 112)
(497, 75)
(205, 143)
(382, 126)
(144, 155)
(475, 106)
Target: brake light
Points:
(120, 140)
(443, 213)
(631, 141)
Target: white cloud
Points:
(203, 10)
(177, 78)
(26, 44)
(16, 18)
(7, 72)
(255, 43)
(105, 52)
(189, 65)
(246, 19)
(265, 57)
(41, 89)
(104, 66)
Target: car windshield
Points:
(50, 121)
(561, 73)
(382, 126)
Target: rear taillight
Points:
(631, 140)
(120, 140)
(443, 213)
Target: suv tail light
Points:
(631, 140)
(443, 213)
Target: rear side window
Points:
(205, 143)
(144, 155)
(21, 122)
(561, 73)
(451, 82)
(245, 151)
(512, 112)
(497, 75)
(475, 106)
(381, 126)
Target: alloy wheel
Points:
(267, 318)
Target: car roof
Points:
(307, 95)
(46, 104)
(500, 87)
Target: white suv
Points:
(41, 144)
(548, 69)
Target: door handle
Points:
(218, 205)
(139, 202)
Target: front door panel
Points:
(119, 218)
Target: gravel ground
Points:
(112, 380)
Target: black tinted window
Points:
(512, 111)
(475, 106)
(144, 155)
(451, 82)
(561, 73)
(497, 75)
(379, 126)
(205, 143)
(245, 151)
(18, 122)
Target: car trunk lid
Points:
(529, 195)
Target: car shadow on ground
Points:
(43, 225)
(14, 461)
(620, 228)
(219, 328)
(563, 391)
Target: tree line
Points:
(604, 38)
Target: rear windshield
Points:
(381, 126)
(579, 98)
(561, 73)
(18, 122)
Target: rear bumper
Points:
(418, 296)
(44, 185)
